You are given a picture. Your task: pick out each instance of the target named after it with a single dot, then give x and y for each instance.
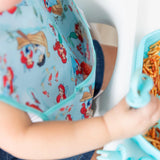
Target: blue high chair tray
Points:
(47, 60)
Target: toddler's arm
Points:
(48, 140)
(53, 140)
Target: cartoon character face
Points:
(86, 111)
(68, 117)
(61, 51)
(8, 81)
(61, 48)
(29, 60)
(41, 57)
(61, 92)
(89, 112)
(79, 69)
(9, 75)
(63, 56)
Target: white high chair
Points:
(132, 20)
(121, 14)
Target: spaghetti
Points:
(153, 136)
(151, 67)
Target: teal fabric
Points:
(43, 46)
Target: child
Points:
(22, 138)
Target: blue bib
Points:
(47, 60)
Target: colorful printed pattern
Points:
(44, 60)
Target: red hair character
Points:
(61, 95)
(49, 9)
(61, 51)
(27, 60)
(78, 32)
(68, 117)
(79, 70)
(8, 80)
(87, 112)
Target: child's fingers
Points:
(130, 121)
(146, 116)
(150, 114)
(152, 109)
(155, 106)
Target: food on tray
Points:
(153, 136)
(151, 67)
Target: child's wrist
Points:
(113, 126)
(108, 132)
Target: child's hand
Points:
(124, 122)
(7, 4)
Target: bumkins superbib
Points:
(47, 60)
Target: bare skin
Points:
(61, 139)
(110, 54)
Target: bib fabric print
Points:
(47, 60)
